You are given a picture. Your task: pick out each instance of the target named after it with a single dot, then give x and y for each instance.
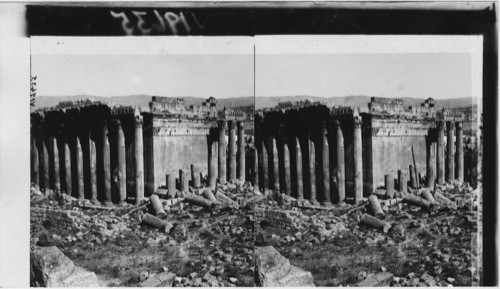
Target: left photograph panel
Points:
(141, 161)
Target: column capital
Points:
(222, 124)
(240, 124)
(357, 121)
(336, 124)
(458, 124)
(451, 125)
(232, 124)
(440, 125)
(138, 120)
(116, 122)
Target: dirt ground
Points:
(204, 247)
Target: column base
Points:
(95, 202)
(122, 204)
(341, 203)
(108, 204)
(327, 204)
(314, 202)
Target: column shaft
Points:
(232, 151)
(139, 161)
(195, 176)
(450, 159)
(67, 169)
(265, 167)
(286, 161)
(106, 155)
(45, 158)
(222, 152)
(312, 171)
(431, 163)
(340, 167)
(402, 180)
(358, 161)
(276, 172)
(122, 173)
(184, 180)
(212, 166)
(241, 152)
(79, 165)
(35, 166)
(440, 153)
(171, 185)
(413, 177)
(298, 168)
(57, 175)
(256, 184)
(93, 171)
(460, 152)
(326, 167)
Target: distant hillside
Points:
(139, 100)
(260, 102)
(358, 100)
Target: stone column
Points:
(184, 180)
(276, 172)
(45, 158)
(431, 163)
(413, 177)
(212, 166)
(232, 151)
(440, 153)
(286, 161)
(67, 167)
(460, 152)
(312, 171)
(298, 168)
(222, 152)
(241, 151)
(171, 185)
(35, 177)
(57, 175)
(93, 171)
(79, 165)
(106, 155)
(403, 185)
(389, 184)
(358, 160)
(340, 163)
(256, 168)
(122, 173)
(195, 176)
(326, 167)
(139, 160)
(265, 167)
(450, 156)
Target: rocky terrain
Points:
(417, 245)
(200, 246)
(234, 236)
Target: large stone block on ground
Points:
(51, 268)
(165, 279)
(274, 270)
(378, 280)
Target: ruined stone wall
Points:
(285, 219)
(61, 218)
(391, 145)
(175, 144)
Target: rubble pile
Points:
(421, 237)
(189, 245)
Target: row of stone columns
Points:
(118, 176)
(338, 173)
(454, 154)
(235, 151)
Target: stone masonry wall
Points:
(60, 218)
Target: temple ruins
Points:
(112, 154)
(324, 154)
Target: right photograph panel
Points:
(368, 152)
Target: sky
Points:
(419, 75)
(198, 75)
